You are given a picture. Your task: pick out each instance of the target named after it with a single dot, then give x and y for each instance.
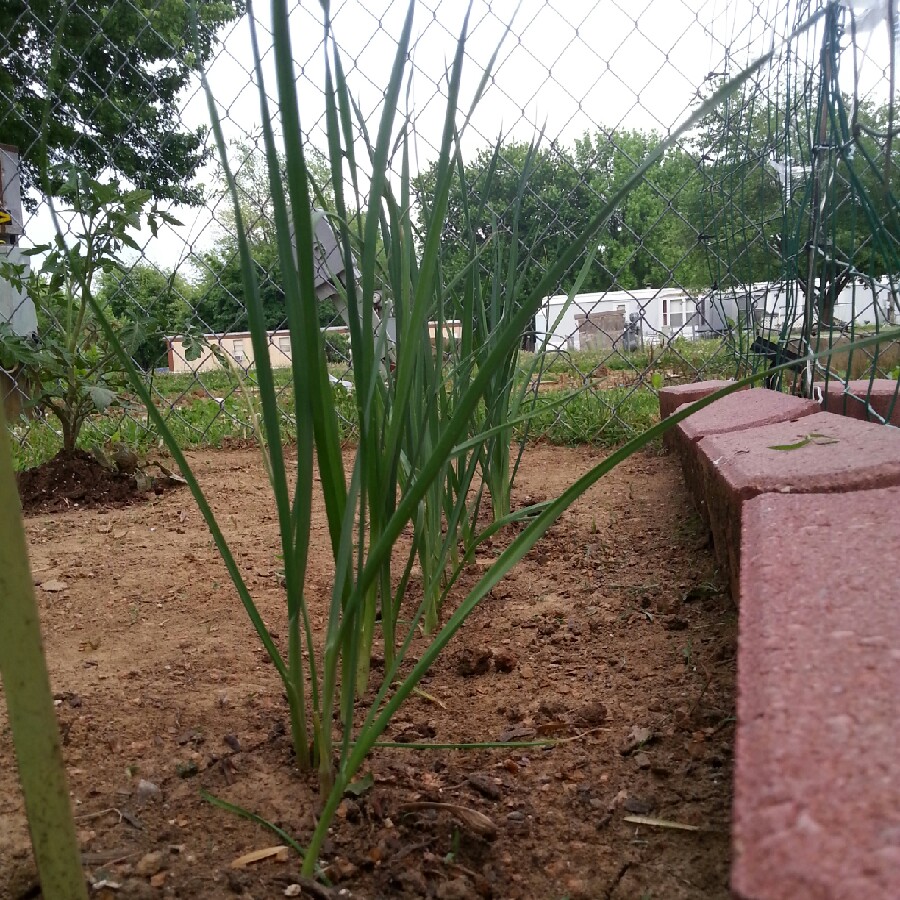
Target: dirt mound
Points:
(77, 479)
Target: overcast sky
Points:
(567, 66)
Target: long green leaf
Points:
(29, 704)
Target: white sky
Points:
(569, 66)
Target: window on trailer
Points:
(237, 351)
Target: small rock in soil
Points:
(414, 881)
(192, 736)
(458, 889)
(186, 769)
(341, 869)
(232, 741)
(551, 707)
(54, 586)
(146, 790)
(150, 863)
(416, 733)
(237, 881)
(474, 662)
(638, 806)
(637, 737)
(135, 889)
(514, 713)
(505, 661)
(591, 714)
(483, 886)
(642, 760)
(485, 785)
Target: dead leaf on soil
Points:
(471, 818)
(485, 785)
(361, 785)
(663, 823)
(516, 733)
(172, 476)
(278, 852)
(552, 728)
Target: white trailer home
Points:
(598, 320)
(862, 302)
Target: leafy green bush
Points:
(337, 347)
(73, 369)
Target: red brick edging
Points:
(804, 507)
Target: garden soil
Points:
(614, 637)
(78, 480)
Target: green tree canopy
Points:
(113, 70)
(650, 239)
(220, 305)
(161, 301)
(781, 176)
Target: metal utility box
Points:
(12, 226)
(16, 308)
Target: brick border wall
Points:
(804, 508)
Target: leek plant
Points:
(423, 430)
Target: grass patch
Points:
(603, 418)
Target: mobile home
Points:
(599, 320)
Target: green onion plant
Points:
(434, 415)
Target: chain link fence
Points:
(768, 234)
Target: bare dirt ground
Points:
(620, 642)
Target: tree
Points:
(219, 304)
(648, 240)
(161, 301)
(769, 196)
(113, 70)
(550, 209)
(73, 368)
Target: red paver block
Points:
(671, 398)
(736, 412)
(848, 455)
(817, 769)
(880, 394)
(745, 409)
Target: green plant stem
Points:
(29, 703)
